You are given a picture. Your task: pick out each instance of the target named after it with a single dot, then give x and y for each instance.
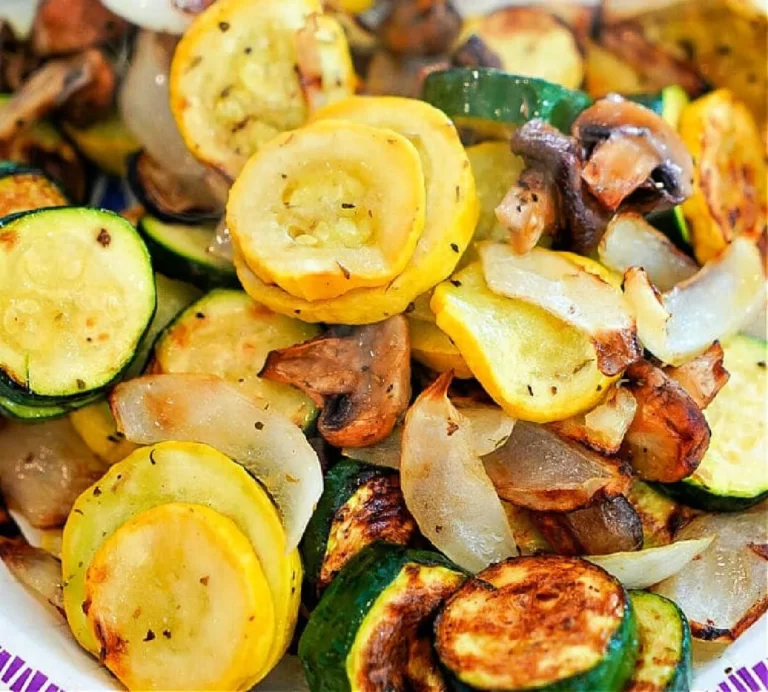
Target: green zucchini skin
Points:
(38, 414)
(333, 626)
(342, 483)
(675, 675)
(700, 497)
(174, 263)
(610, 674)
(489, 95)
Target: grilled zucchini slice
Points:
(360, 504)
(179, 472)
(180, 251)
(544, 623)
(23, 188)
(729, 173)
(108, 143)
(328, 208)
(247, 70)
(533, 365)
(177, 599)
(78, 294)
(226, 333)
(360, 631)
(660, 516)
(451, 215)
(733, 474)
(664, 662)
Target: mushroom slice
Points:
(604, 427)
(209, 410)
(33, 567)
(610, 526)
(633, 156)
(528, 210)
(540, 470)
(669, 434)
(445, 486)
(475, 52)
(630, 241)
(703, 377)
(426, 27)
(359, 376)
(576, 296)
(712, 305)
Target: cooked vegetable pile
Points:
(427, 353)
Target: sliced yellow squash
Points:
(729, 172)
(430, 345)
(594, 267)
(177, 600)
(328, 208)
(179, 472)
(533, 365)
(96, 425)
(107, 143)
(247, 70)
(451, 215)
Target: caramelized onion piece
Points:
(474, 52)
(576, 296)
(540, 470)
(633, 155)
(445, 486)
(421, 27)
(703, 377)
(712, 305)
(669, 434)
(360, 376)
(33, 567)
(604, 427)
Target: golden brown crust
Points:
(703, 377)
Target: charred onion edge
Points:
(703, 377)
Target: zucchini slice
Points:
(180, 251)
(247, 70)
(360, 504)
(179, 472)
(40, 412)
(545, 623)
(660, 516)
(664, 661)
(226, 333)
(451, 215)
(733, 474)
(328, 208)
(23, 189)
(108, 143)
(361, 630)
(532, 364)
(177, 599)
(493, 103)
(78, 294)
(97, 427)
(729, 175)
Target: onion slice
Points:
(540, 470)
(644, 568)
(169, 16)
(713, 304)
(445, 486)
(703, 377)
(576, 296)
(726, 589)
(33, 567)
(630, 241)
(200, 408)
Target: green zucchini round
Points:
(548, 623)
(369, 614)
(23, 188)
(495, 102)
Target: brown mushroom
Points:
(474, 52)
(95, 100)
(400, 75)
(360, 377)
(703, 377)
(609, 526)
(420, 27)
(633, 158)
(669, 435)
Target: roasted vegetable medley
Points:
(424, 349)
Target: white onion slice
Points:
(644, 568)
(155, 15)
(630, 241)
(445, 486)
(199, 408)
(576, 296)
(726, 589)
(713, 304)
(35, 568)
(20, 14)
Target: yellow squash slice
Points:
(328, 208)
(179, 472)
(96, 425)
(177, 599)
(247, 70)
(730, 184)
(533, 365)
(430, 345)
(451, 215)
